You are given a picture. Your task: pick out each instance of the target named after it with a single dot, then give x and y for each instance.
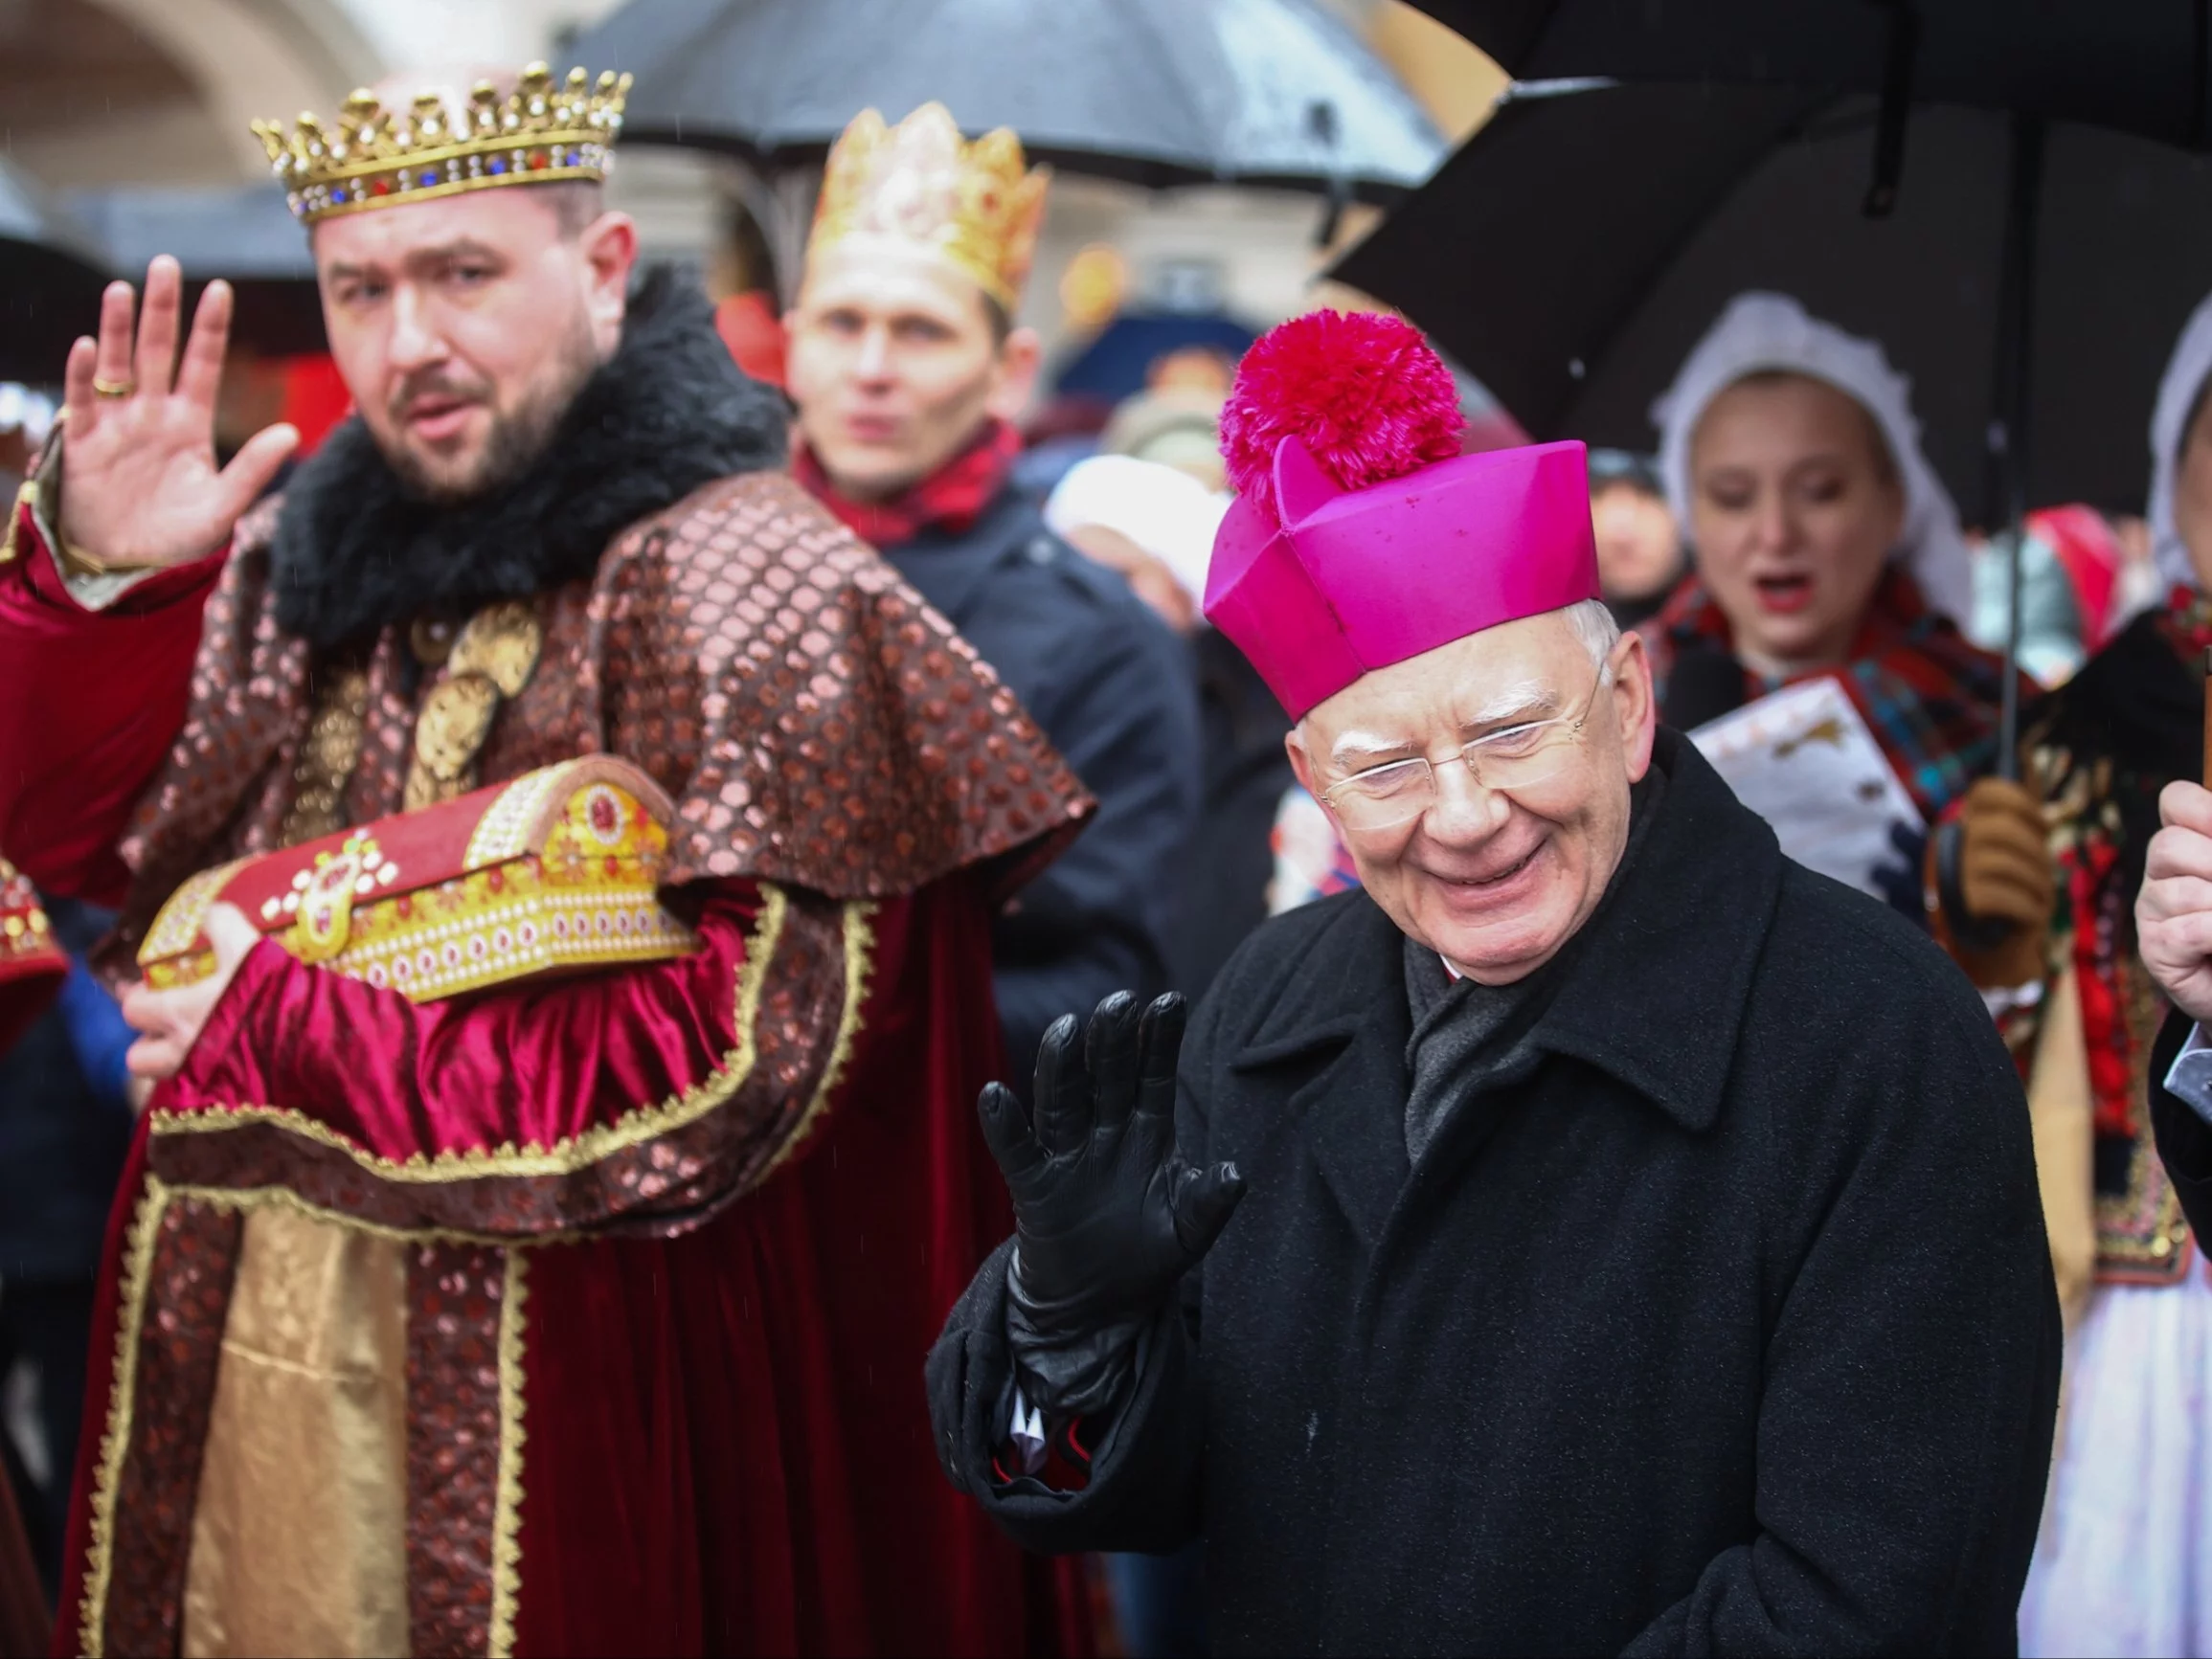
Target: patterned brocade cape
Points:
(547, 1258)
(815, 721)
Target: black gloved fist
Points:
(1108, 1216)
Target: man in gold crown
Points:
(572, 1315)
(908, 371)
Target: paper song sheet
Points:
(1803, 759)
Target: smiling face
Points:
(1495, 882)
(895, 363)
(464, 326)
(1794, 506)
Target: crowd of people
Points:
(1571, 1224)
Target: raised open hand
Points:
(140, 488)
(1108, 1215)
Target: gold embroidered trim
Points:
(858, 970)
(507, 1504)
(178, 922)
(564, 1157)
(122, 1396)
(246, 1199)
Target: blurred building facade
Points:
(97, 93)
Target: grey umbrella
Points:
(1156, 92)
(51, 274)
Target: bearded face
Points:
(466, 327)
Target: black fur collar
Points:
(355, 552)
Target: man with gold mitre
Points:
(575, 1314)
(908, 369)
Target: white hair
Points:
(1593, 624)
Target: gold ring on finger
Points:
(112, 388)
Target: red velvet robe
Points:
(674, 1239)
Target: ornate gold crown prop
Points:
(539, 133)
(970, 204)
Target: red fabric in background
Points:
(315, 398)
(2090, 555)
(950, 499)
(751, 328)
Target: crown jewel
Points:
(976, 206)
(541, 132)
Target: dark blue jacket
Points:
(1114, 690)
(64, 1127)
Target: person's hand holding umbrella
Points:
(1997, 901)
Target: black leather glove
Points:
(1108, 1216)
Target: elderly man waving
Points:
(1614, 1236)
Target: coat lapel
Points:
(1343, 1015)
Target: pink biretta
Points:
(1361, 536)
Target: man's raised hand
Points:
(2173, 910)
(1109, 1215)
(140, 488)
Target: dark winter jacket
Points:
(64, 1124)
(1722, 1323)
(1115, 691)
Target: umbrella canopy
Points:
(2138, 67)
(1155, 92)
(1576, 248)
(1114, 362)
(51, 274)
(245, 235)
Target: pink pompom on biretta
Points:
(1366, 394)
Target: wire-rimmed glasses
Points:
(1518, 757)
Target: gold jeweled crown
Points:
(971, 204)
(539, 133)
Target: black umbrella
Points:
(1576, 249)
(50, 276)
(1156, 92)
(245, 235)
(2142, 66)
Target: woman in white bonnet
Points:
(2124, 1564)
(1825, 545)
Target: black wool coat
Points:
(1723, 1324)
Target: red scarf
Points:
(950, 499)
